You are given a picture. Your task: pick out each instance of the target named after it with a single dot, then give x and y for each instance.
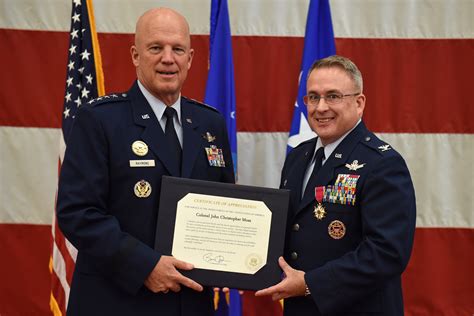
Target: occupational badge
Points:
(209, 137)
(139, 148)
(354, 165)
(319, 211)
(142, 189)
(336, 229)
(215, 156)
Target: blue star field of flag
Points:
(81, 85)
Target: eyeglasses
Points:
(331, 99)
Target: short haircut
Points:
(343, 63)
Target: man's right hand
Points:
(165, 276)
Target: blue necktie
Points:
(174, 146)
(317, 166)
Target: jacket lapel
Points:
(296, 174)
(192, 140)
(326, 173)
(152, 134)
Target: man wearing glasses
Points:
(352, 213)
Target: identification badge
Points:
(139, 148)
(336, 229)
(142, 163)
(142, 189)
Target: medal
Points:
(319, 211)
(337, 229)
(139, 148)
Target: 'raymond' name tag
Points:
(142, 163)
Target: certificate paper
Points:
(232, 234)
(220, 233)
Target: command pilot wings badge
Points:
(354, 165)
(384, 147)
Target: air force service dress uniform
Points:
(108, 201)
(355, 250)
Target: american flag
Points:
(84, 82)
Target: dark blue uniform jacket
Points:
(360, 272)
(112, 228)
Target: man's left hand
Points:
(293, 283)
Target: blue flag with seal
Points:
(220, 88)
(220, 93)
(318, 43)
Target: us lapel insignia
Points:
(145, 117)
(209, 137)
(354, 165)
(384, 147)
(339, 156)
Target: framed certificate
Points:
(232, 234)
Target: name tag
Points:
(142, 163)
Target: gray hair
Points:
(343, 63)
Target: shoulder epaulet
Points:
(202, 104)
(376, 143)
(114, 97)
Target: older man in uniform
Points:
(109, 190)
(352, 216)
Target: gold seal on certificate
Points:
(221, 233)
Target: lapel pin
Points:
(145, 116)
(354, 165)
(338, 156)
(189, 120)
